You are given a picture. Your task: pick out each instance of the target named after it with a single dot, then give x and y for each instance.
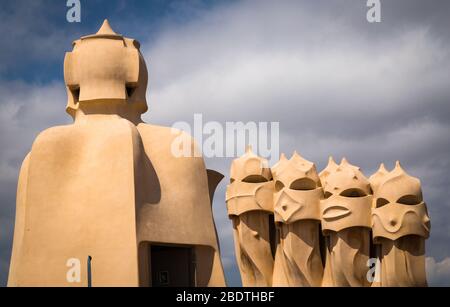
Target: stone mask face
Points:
(106, 67)
(347, 200)
(297, 190)
(399, 209)
(251, 186)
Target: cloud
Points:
(438, 273)
(25, 110)
(238, 59)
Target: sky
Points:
(337, 85)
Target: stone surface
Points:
(108, 185)
(332, 227)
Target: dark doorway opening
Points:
(172, 266)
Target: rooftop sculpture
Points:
(332, 228)
(400, 225)
(108, 186)
(250, 208)
(297, 196)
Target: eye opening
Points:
(278, 186)
(231, 180)
(327, 194)
(382, 202)
(408, 200)
(303, 184)
(130, 88)
(75, 91)
(254, 179)
(353, 193)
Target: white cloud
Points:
(438, 273)
(26, 110)
(280, 59)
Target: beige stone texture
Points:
(249, 200)
(108, 185)
(334, 229)
(400, 226)
(346, 223)
(330, 168)
(297, 196)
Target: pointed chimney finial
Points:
(106, 29)
(295, 154)
(382, 168)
